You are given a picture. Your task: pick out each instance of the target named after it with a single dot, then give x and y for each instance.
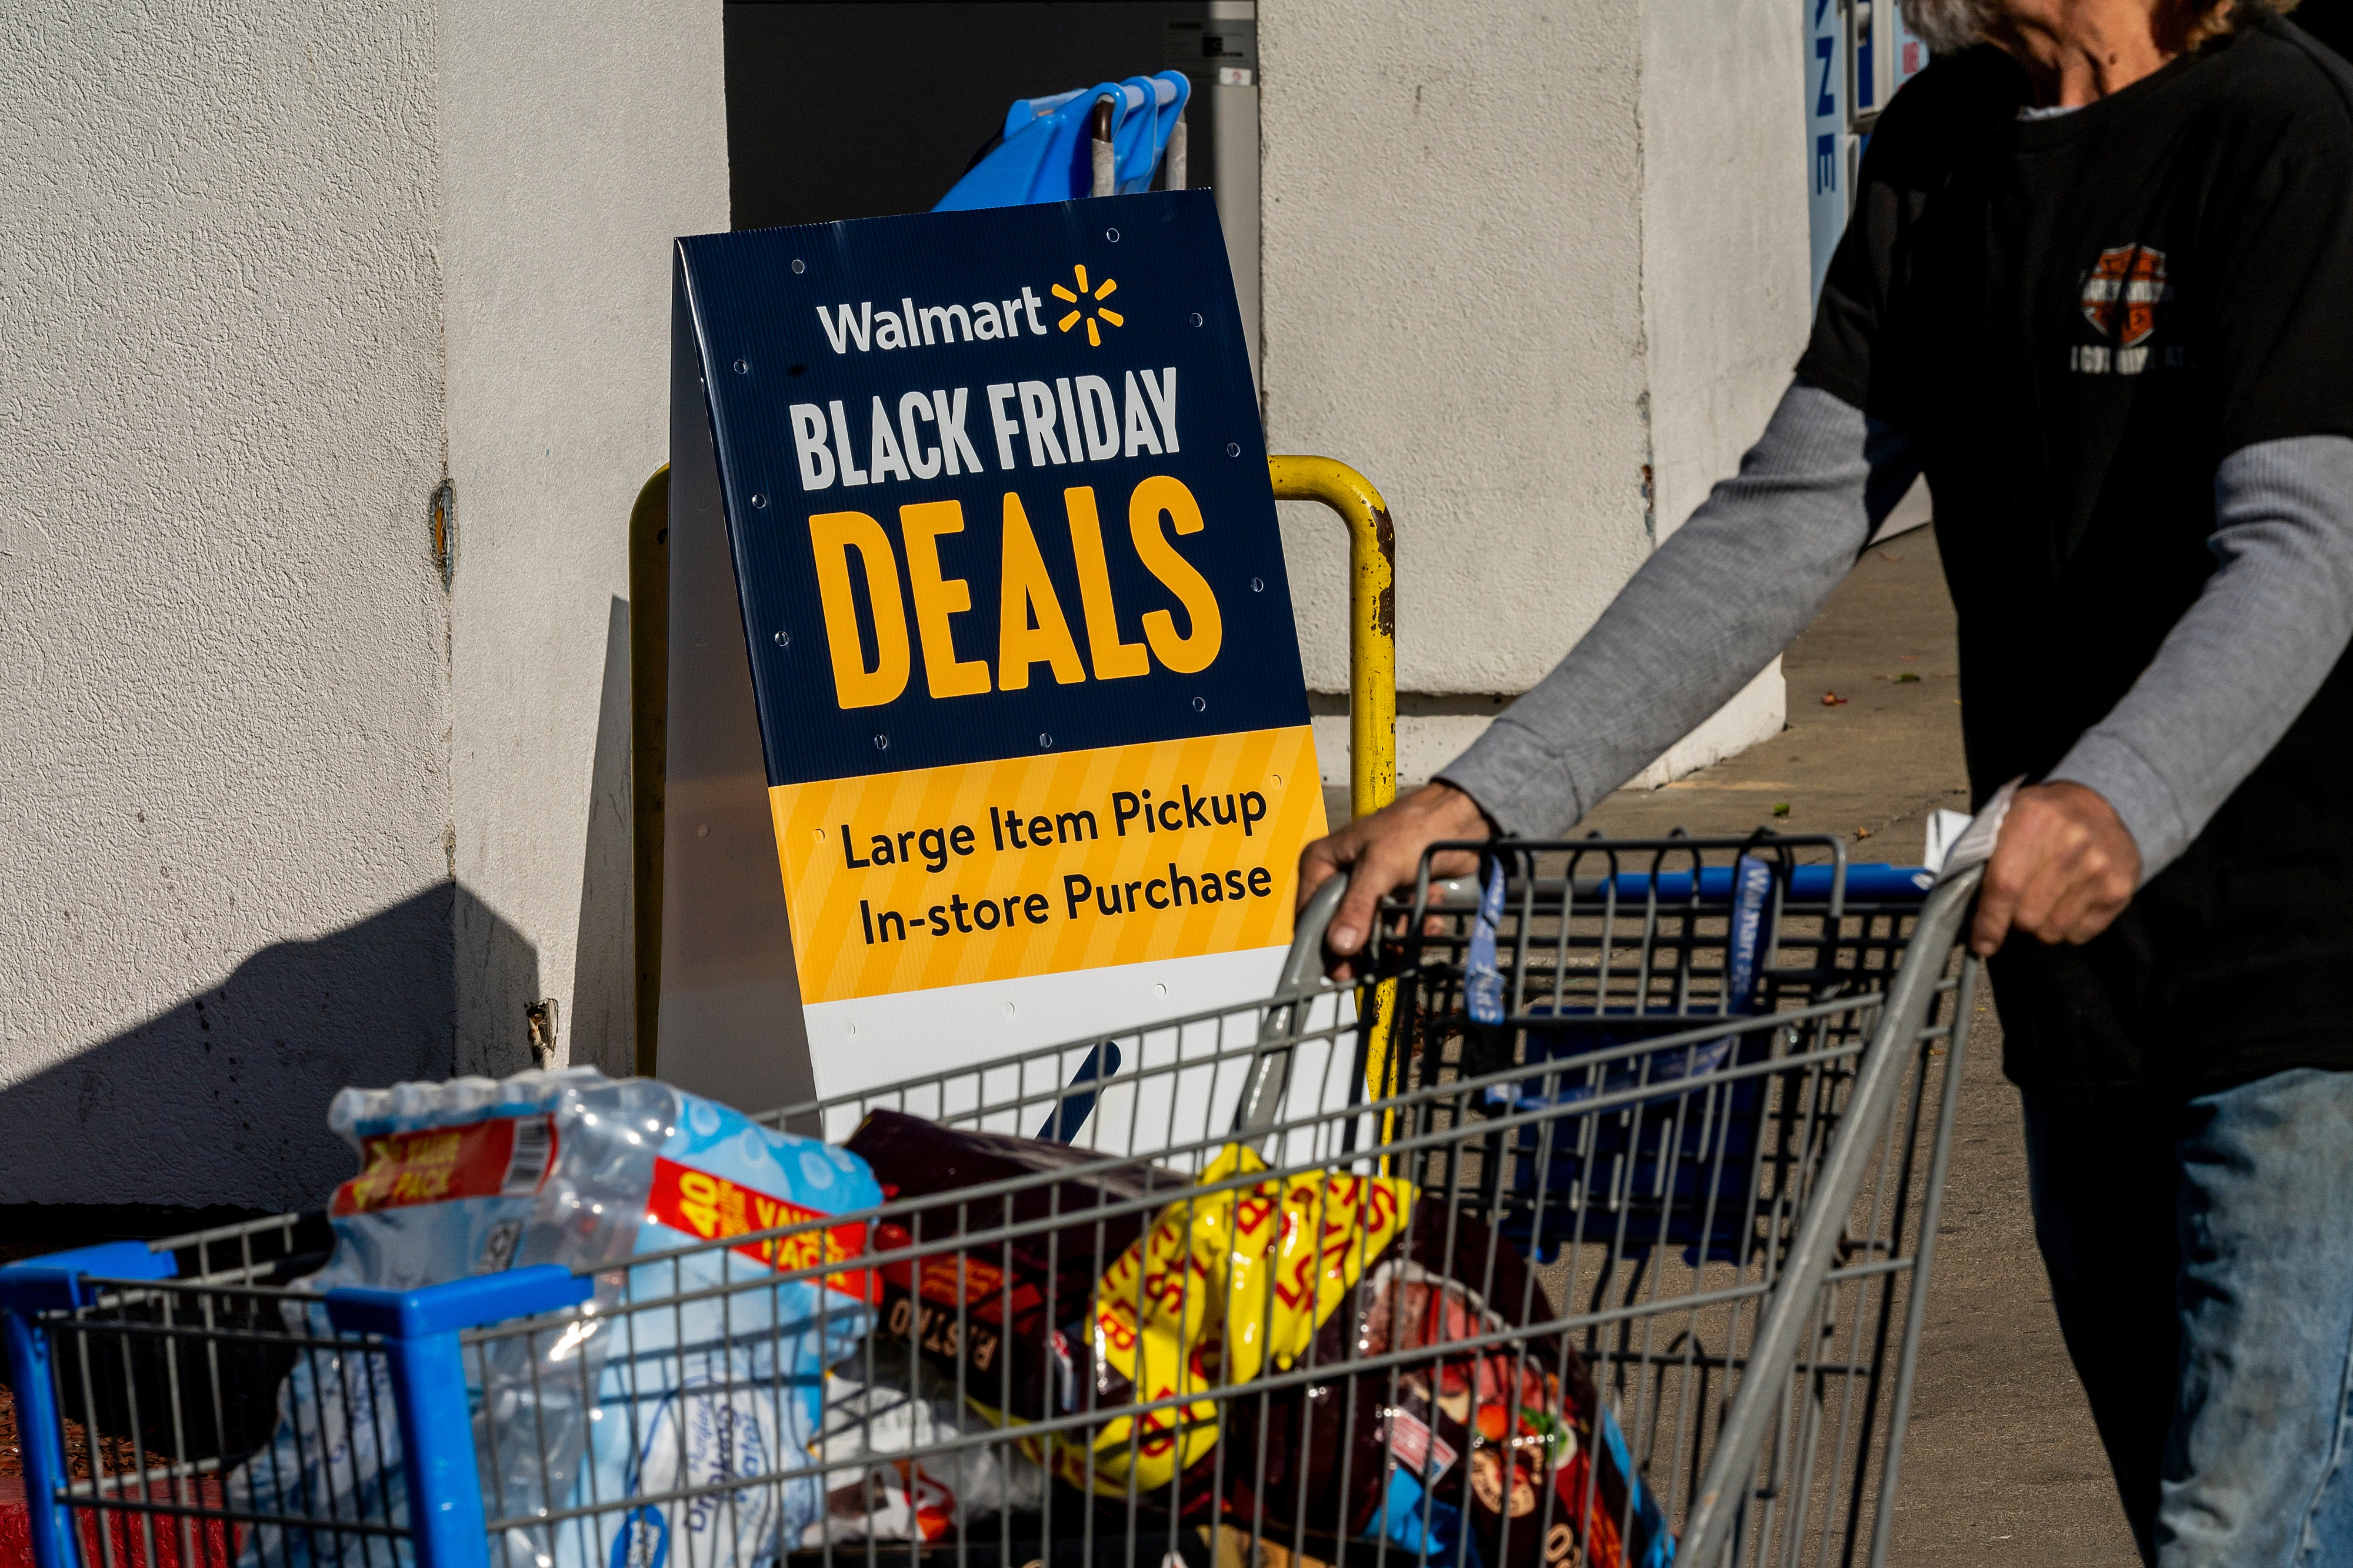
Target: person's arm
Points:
(2230, 678)
(2244, 659)
(1727, 591)
(2275, 356)
(1710, 608)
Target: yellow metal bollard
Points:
(1372, 617)
(1372, 690)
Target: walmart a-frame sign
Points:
(989, 730)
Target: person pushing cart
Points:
(2098, 284)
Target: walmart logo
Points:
(866, 329)
(1082, 300)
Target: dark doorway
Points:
(843, 109)
(838, 108)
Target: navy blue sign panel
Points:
(995, 484)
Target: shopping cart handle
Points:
(1302, 970)
(1305, 961)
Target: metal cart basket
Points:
(1599, 1208)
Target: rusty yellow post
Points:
(1372, 618)
(1372, 685)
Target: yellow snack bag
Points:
(1222, 1285)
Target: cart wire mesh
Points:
(1606, 1204)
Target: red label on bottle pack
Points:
(715, 1209)
(503, 1156)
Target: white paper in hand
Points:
(1943, 827)
(1974, 847)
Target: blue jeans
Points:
(2201, 1262)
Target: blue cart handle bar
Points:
(417, 1331)
(1870, 882)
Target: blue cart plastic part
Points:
(60, 1282)
(1869, 883)
(1046, 154)
(418, 1329)
(57, 1283)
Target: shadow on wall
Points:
(223, 1099)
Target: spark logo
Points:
(1081, 300)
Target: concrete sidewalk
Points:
(2003, 1465)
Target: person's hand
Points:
(2063, 868)
(1383, 852)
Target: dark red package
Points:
(1015, 1293)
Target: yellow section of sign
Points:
(1047, 864)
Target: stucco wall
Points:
(1725, 291)
(1516, 266)
(284, 813)
(578, 144)
(262, 266)
(222, 715)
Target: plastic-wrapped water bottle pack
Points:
(605, 1177)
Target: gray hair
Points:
(1946, 26)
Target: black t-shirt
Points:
(2075, 319)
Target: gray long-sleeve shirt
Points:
(1753, 566)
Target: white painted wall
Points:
(1724, 282)
(1514, 252)
(262, 263)
(577, 142)
(224, 699)
(284, 813)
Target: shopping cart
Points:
(1648, 1117)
